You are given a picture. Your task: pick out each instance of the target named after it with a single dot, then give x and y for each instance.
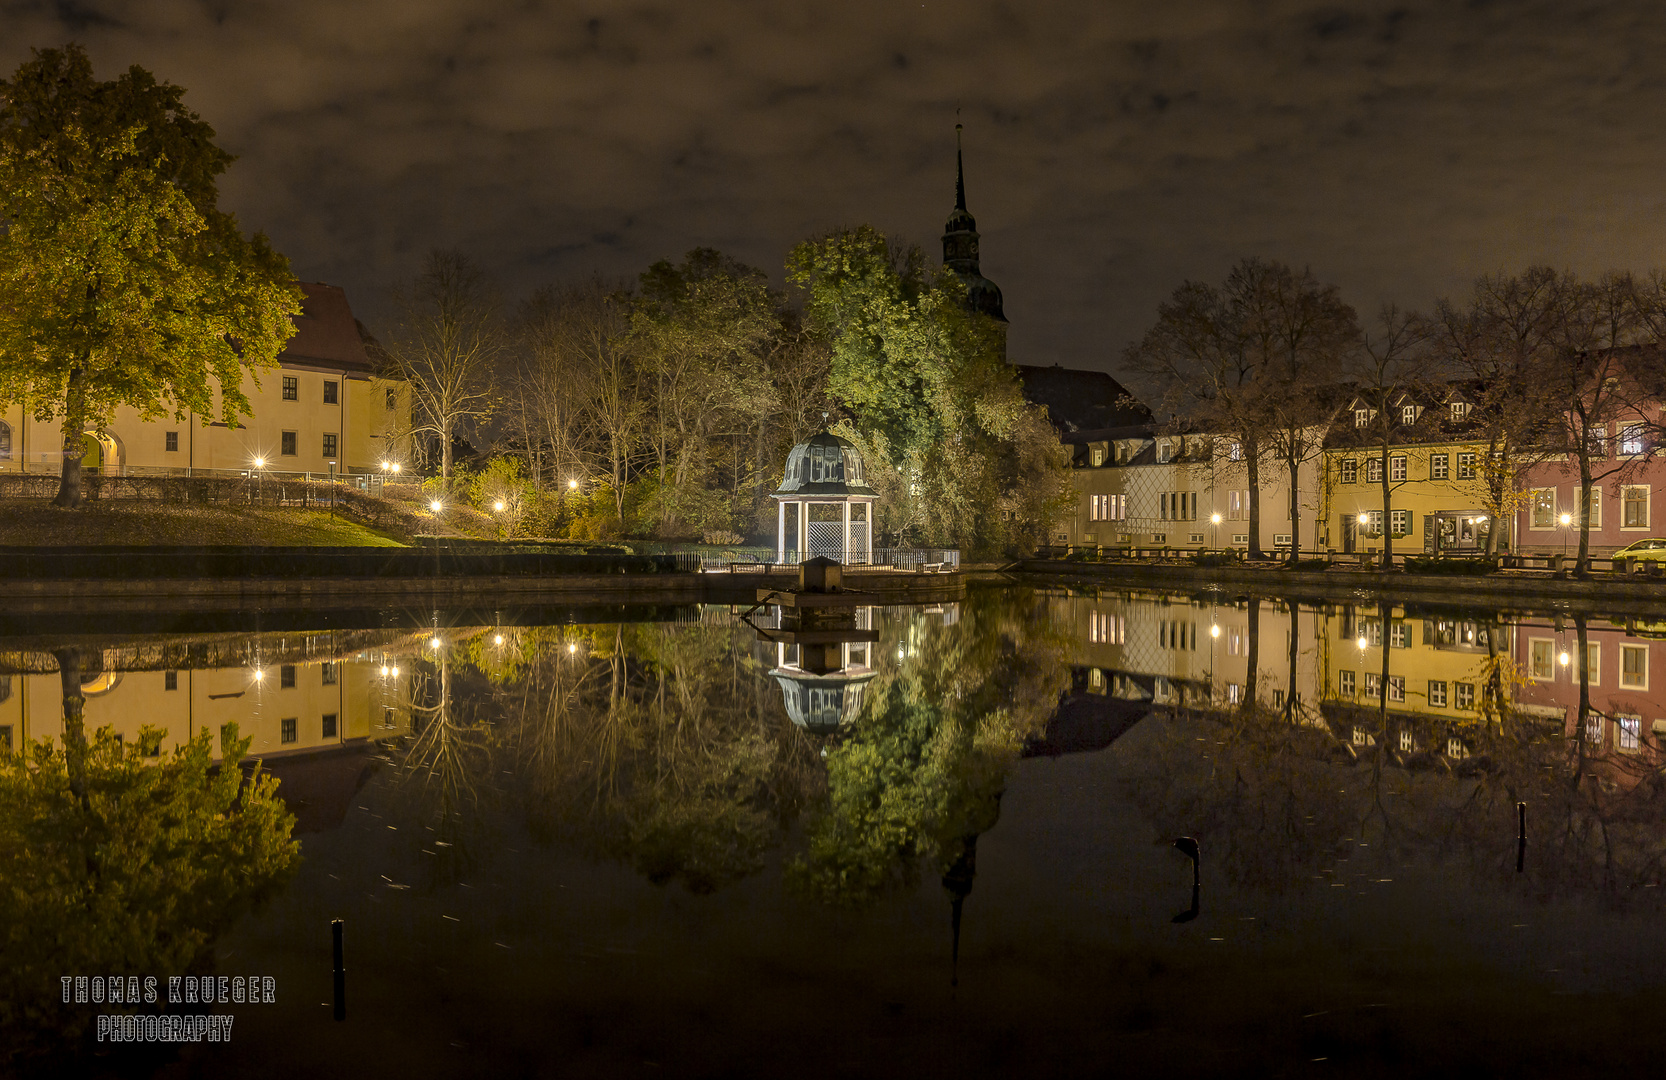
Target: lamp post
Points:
(1567, 520)
(260, 478)
(1215, 534)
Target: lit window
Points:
(1596, 440)
(1593, 731)
(1360, 738)
(1397, 467)
(1362, 417)
(1397, 688)
(1407, 743)
(1460, 409)
(1408, 414)
(1541, 658)
(1454, 748)
(1631, 439)
(1630, 729)
(291, 388)
(1374, 470)
(1634, 667)
(1544, 508)
(1593, 662)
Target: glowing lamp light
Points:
(498, 640)
(396, 467)
(571, 649)
(1360, 641)
(498, 506)
(1567, 519)
(435, 506)
(387, 466)
(1214, 631)
(260, 463)
(259, 674)
(396, 671)
(384, 671)
(572, 485)
(433, 643)
(1562, 659)
(1214, 519)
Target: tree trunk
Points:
(1497, 489)
(1295, 644)
(445, 458)
(1252, 454)
(1582, 568)
(1253, 632)
(1295, 466)
(1584, 701)
(75, 428)
(75, 733)
(1388, 510)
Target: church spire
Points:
(959, 173)
(960, 244)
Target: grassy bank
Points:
(38, 522)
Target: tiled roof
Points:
(1079, 400)
(326, 334)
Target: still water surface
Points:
(660, 843)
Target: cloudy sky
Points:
(1114, 147)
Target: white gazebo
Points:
(825, 506)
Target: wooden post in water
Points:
(1521, 836)
(340, 971)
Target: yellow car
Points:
(1650, 550)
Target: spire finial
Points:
(959, 173)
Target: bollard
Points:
(340, 972)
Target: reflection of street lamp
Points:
(572, 485)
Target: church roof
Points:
(1079, 400)
(960, 246)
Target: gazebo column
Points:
(781, 531)
(803, 529)
(844, 555)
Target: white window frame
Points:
(1628, 733)
(1466, 465)
(1627, 651)
(1437, 693)
(1399, 522)
(1362, 417)
(1397, 688)
(1373, 685)
(1350, 471)
(1397, 468)
(1627, 502)
(1346, 683)
(1593, 664)
(1438, 466)
(1595, 507)
(1541, 500)
(1533, 652)
(1373, 470)
(1631, 440)
(1463, 696)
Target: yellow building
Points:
(325, 409)
(1435, 468)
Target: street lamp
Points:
(498, 506)
(436, 506)
(572, 485)
(1215, 532)
(1567, 519)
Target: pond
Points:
(942, 839)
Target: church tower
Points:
(960, 246)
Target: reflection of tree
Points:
(119, 860)
(447, 762)
(661, 744)
(921, 774)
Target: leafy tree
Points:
(450, 339)
(121, 282)
(118, 860)
(938, 413)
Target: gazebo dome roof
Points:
(825, 464)
(821, 704)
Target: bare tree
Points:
(1391, 362)
(449, 343)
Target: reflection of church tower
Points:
(960, 247)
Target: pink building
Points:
(1627, 480)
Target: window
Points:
(1463, 695)
(1437, 466)
(1240, 538)
(1407, 743)
(1634, 667)
(1454, 747)
(291, 388)
(1631, 439)
(1106, 629)
(1397, 467)
(1164, 451)
(1544, 508)
(1107, 507)
(1281, 539)
(1350, 471)
(6, 736)
(286, 444)
(387, 716)
(1371, 523)
(327, 671)
(1596, 440)
(1278, 699)
(1397, 688)
(1437, 693)
(1593, 662)
(170, 442)
(1237, 505)
(1362, 417)
(1630, 728)
(1541, 658)
(286, 729)
(329, 725)
(1460, 410)
(1594, 510)
(1401, 521)
(1634, 501)
(286, 677)
(329, 392)
(330, 444)
(1234, 692)
(1345, 683)
(1372, 631)
(1399, 635)
(1373, 685)
(1466, 466)
(1374, 470)
(393, 400)
(1360, 737)
(5, 441)
(170, 680)
(1593, 731)
(1234, 452)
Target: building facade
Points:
(324, 409)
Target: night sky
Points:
(1113, 147)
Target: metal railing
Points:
(910, 559)
(368, 482)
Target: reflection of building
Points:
(823, 673)
(322, 409)
(287, 709)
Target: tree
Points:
(451, 338)
(121, 282)
(1390, 362)
(939, 415)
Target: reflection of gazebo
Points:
(822, 702)
(825, 503)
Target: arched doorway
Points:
(100, 453)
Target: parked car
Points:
(1651, 550)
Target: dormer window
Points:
(1362, 417)
(1164, 451)
(1408, 414)
(1460, 410)
(1096, 456)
